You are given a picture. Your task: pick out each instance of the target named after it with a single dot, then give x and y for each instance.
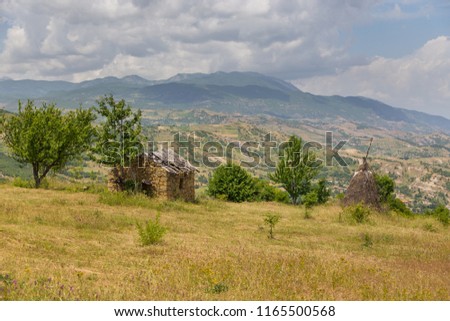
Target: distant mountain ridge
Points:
(233, 92)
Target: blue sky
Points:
(394, 51)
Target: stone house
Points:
(162, 174)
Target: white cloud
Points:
(83, 39)
(158, 38)
(420, 80)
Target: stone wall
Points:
(155, 180)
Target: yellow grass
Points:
(58, 245)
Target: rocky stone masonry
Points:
(156, 178)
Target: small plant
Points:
(429, 227)
(309, 200)
(358, 213)
(219, 288)
(271, 220)
(367, 240)
(152, 232)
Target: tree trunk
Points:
(37, 179)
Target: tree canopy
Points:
(119, 135)
(296, 168)
(46, 138)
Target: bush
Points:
(358, 213)
(264, 191)
(152, 232)
(385, 186)
(398, 206)
(20, 182)
(442, 214)
(232, 183)
(323, 193)
(309, 200)
(268, 193)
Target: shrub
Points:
(367, 240)
(398, 206)
(309, 200)
(323, 193)
(264, 191)
(271, 220)
(232, 183)
(442, 214)
(152, 232)
(268, 193)
(385, 186)
(20, 182)
(358, 213)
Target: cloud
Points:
(420, 80)
(82, 39)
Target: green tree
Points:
(323, 193)
(233, 183)
(385, 186)
(46, 138)
(296, 168)
(119, 136)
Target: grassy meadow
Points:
(69, 245)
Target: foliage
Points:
(359, 213)
(398, 206)
(309, 200)
(442, 214)
(367, 240)
(268, 193)
(271, 220)
(46, 138)
(119, 136)
(233, 183)
(323, 193)
(385, 186)
(296, 168)
(152, 232)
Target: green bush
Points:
(398, 206)
(268, 193)
(442, 214)
(323, 193)
(23, 183)
(385, 186)
(152, 232)
(309, 200)
(358, 213)
(232, 183)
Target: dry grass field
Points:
(61, 245)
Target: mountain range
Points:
(235, 92)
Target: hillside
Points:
(246, 93)
(61, 245)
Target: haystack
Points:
(362, 188)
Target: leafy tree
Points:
(46, 138)
(323, 193)
(296, 168)
(119, 136)
(385, 186)
(233, 183)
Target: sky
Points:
(394, 51)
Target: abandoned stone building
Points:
(163, 174)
